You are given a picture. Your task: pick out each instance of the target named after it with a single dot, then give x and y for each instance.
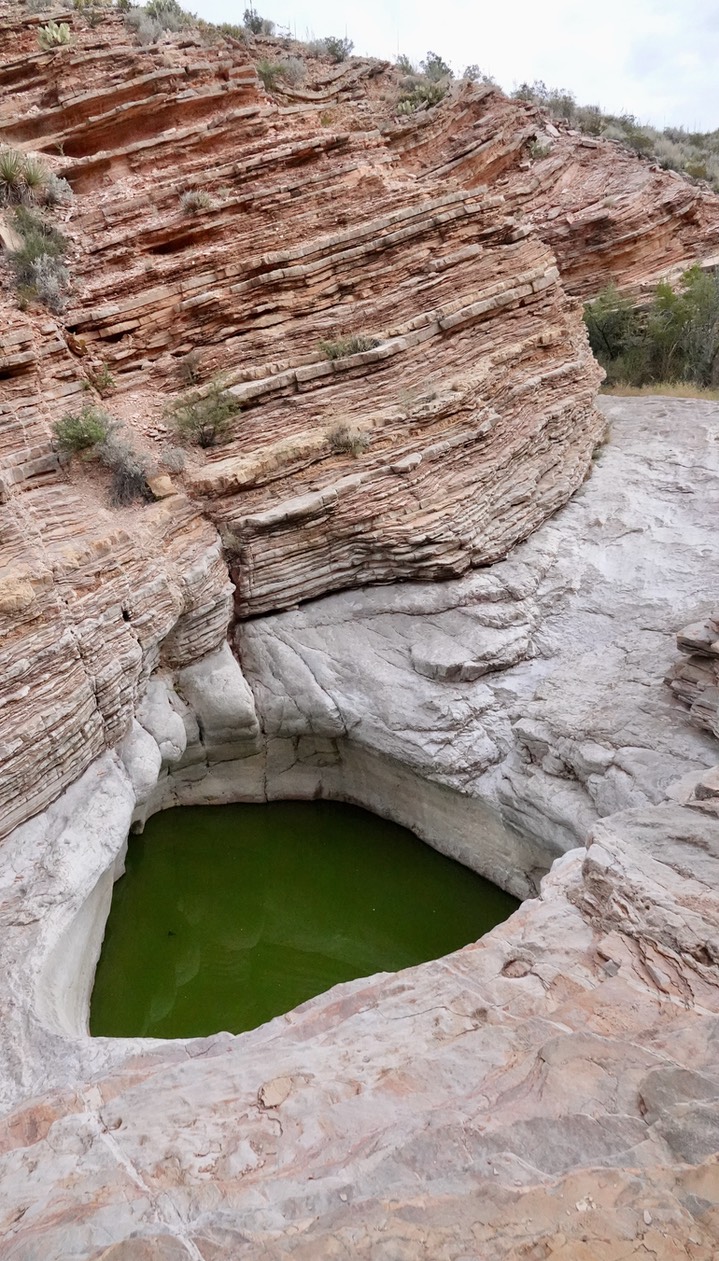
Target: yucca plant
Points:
(53, 35)
(35, 176)
(12, 164)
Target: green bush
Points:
(82, 430)
(269, 73)
(102, 379)
(344, 346)
(405, 65)
(204, 418)
(151, 20)
(337, 49)
(258, 25)
(474, 75)
(331, 46)
(673, 338)
(435, 68)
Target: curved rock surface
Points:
(550, 1091)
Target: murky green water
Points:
(230, 915)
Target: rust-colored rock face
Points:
(329, 216)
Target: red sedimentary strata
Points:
(329, 215)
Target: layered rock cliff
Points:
(329, 215)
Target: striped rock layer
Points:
(434, 237)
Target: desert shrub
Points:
(172, 460)
(538, 150)
(23, 179)
(233, 30)
(337, 49)
(38, 6)
(204, 418)
(344, 346)
(53, 35)
(79, 431)
(268, 72)
(194, 200)
(258, 25)
(57, 191)
(435, 68)
(94, 11)
(102, 379)
(49, 282)
(293, 70)
(346, 439)
(190, 368)
(405, 65)
(151, 20)
(675, 337)
(331, 46)
(129, 471)
(146, 30)
(170, 15)
(38, 267)
(474, 75)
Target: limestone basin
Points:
(228, 916)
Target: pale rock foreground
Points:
(551, 1091)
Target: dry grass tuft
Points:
(667, 389)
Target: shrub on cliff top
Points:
(331, 46)
(258, 25)
(435, 68)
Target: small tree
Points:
(435, 68)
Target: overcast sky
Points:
(657, 59)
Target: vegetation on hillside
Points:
(674, 338)
(694, 153)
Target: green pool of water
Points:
(229, 915)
